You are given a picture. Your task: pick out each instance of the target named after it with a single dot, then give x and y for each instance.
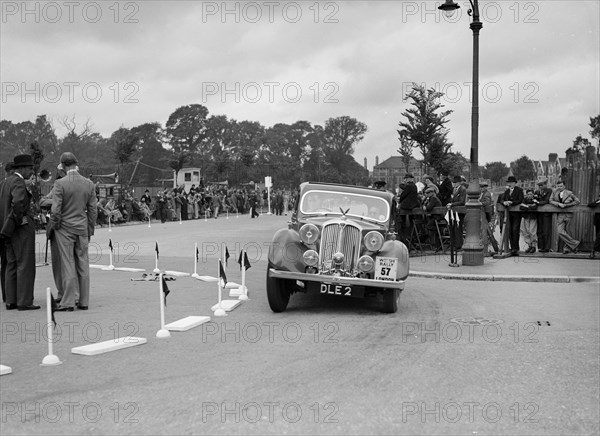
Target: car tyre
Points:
(277, 293)
(390, 300)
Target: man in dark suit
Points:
(513, 196)
(544, 219)
(408, 200)
(18, 231)
(459, 198)
(446, 189)
(431, 202)
(74, 212)
(8, 170)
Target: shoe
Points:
(532, 250)
(11, 306)
(64, 309)
(543, 250)
(31, 307)
(566, 251)
(514, 253)
(80, 307)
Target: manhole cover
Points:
(478, 320)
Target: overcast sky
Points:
(127, 63)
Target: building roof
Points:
(396, 162)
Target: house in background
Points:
(392, 170)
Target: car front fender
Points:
(286, 250)
(398, 250)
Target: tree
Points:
(595, 125)
(406, 149)
(523, 168)
(495, 171)
(124, 144)
(454, 162)
(186, 132)
(425, 125)
(579, 145)
(340, 136)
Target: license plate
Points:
(342, 290)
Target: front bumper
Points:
(351, 281)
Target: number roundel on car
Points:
(373, 241)
(309, 234)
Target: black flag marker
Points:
(227, 256)
(165, 289)
(53, 307)
(197, 255)
(110, 244)
(239, 261)
(222, 274)
(156, 249)
(246, 261)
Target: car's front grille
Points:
(339, 237)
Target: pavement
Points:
(511, 269)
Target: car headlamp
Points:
(309, 234)
(373, 241)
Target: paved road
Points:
(460, 357)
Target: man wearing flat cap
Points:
(18, 232)
(544, 219)
(74, 212)
(485, 198)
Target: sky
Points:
(131, 62)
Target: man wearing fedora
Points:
(459, 198)
(74, 212)
(8, 170)
(18, 233)
(513, 196)
(408, 200)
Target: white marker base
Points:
(236, 292)
(208, 278)
(163, 333)
(226, 305)
(130, 269)
(156, 271)
(109, 268)
(195, 275)
(220, 312)
(177, 273)
(99, 266)
(232, 285)
(51, 360)
(5, 369)
(187, 323)
(243, 297)
(110, 345)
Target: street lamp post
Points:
(473, 246)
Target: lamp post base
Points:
(473, 246)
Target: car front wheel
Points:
(277, 293)
(390, 300)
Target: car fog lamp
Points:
(311, 257)
(309, 233)
(366, 264)
(373, 241)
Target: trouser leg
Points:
(56, 268)
(70, 281)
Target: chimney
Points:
(366, 168)
(376, 160)
(552, 157)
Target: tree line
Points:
(223, 148)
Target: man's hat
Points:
(379, 184)
(409, 176)
(542, 182)
(68, 159)
(8, 166)
(511, 179)
(456, 179)
(428, 190)
(22, 160)
(483, 185)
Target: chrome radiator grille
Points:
(343, 238)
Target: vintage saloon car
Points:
(340, 241)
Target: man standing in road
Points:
(18, 232)
(74, 212)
